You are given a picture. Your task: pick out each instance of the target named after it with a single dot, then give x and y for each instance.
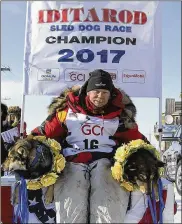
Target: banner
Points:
(67, 40)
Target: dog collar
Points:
(39, 152)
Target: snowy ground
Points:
(177, 217)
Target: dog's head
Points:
(142, 168)
(29, 158)
(17, 157)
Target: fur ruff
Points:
(14, 110)
(59, 103)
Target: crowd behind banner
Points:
(10, 129)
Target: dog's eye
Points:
(16, 158)
(13, 159)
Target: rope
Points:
(22, 211)
(153, 205)
(154, 201)
(151, 209)
(160, 188)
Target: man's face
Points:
(99, 97)
(11, 118)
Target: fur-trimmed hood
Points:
(128, 113)
(59, 103)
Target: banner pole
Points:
(22, 116)
(160, 125)
(24, 82)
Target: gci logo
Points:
(88, 129)
(75, 75)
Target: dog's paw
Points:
(48, 199)
(49, 195)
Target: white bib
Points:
(89, 134)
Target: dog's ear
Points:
(23, 147)
(23, 152)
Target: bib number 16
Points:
(87, 55)
(93, 144)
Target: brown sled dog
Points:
(26, 159)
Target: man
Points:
(91, 123)
(14, 116)
(4, 114)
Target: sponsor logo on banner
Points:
(133, 76)
(49, 74)
(76, 75)
(113, 73)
